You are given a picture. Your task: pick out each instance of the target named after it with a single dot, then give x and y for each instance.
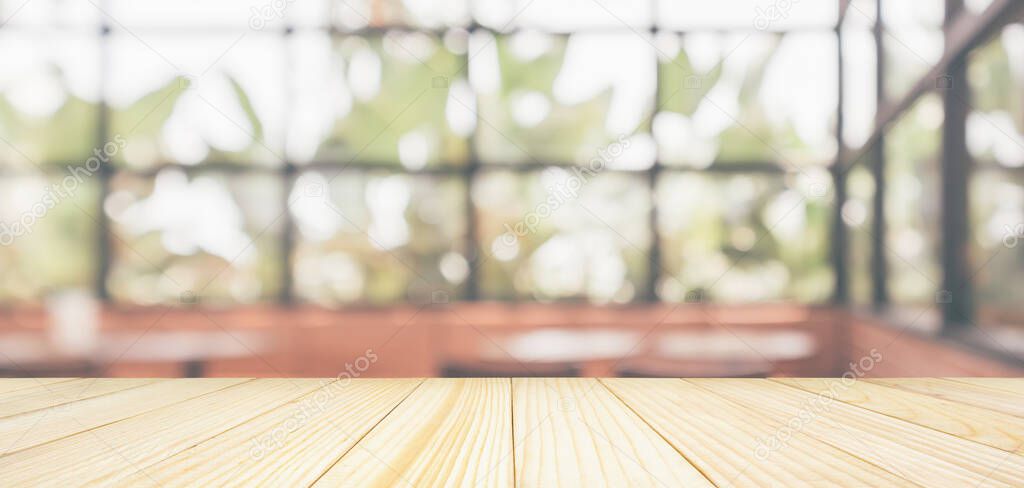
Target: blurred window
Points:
(912, 212)
(382, 151)
(995, 139)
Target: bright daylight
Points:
(512, 243)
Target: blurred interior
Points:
(384, 188)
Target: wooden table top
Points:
(505, 432)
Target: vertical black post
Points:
(105, 173)
(474, 251)
(654, 253)
(839, 251)
(287, 173)
(956, 296)
(286, 294)
(879, 264)
(654, 269)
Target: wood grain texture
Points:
(574, 432)
(61, 393)
(981, 425)
(116, 451)
(501, 432)
(977, 394)
(730, 443)
(449, 432)
(41, 426)
(8, 385)
(922, 455)
(1012, 385)
(291, 445)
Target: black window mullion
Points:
(955, 172)
(105, 175)
(474, 249)
(654, 253)
(288, 174)
(879, 260)
(839, 237)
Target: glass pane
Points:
(49, 89)
(727, 98)
(398, 100)
(859, 84)
(747, 14)
(562, 15)
(912, 203)
(191, 99)
(378, 237)
(233, 15)
(428, 14)
(977, 6)
(913, 42)
(49, 13)
(898, 14)
(560, 233)
(47, 234)
(858, 215)
(238, 14)
(860, 15)
(997, 211)
(995, 129)
(555, 99)
(214, 235)
(743, 238)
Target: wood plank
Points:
(981, 425)
(8, 385)
(1012, 385)
(922, 455)
(574, 432)
(449, 432)
(724, 440)
(958, 391)
(107, 454)
(503, 432)
(65, 392)
(289, 446)
(41, 426)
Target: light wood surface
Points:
(529, 432)
(731, 444)
(978, 393)
(988, 427)
(925, 456)
(15, 384)
(575, 432)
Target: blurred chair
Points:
(499, 369)
(652, 367)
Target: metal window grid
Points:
(287, 170)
